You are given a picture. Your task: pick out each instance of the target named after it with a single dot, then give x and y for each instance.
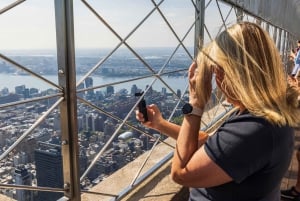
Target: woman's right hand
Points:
(155, 118)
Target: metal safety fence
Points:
(70, 122)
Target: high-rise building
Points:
(178, 93)
(20, 89)
(134, 89)
(110, 90)
(23, 177)
(89, 83)
(48, 161)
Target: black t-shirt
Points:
(255, 153)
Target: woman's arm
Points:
(191, 166)
(157, 122)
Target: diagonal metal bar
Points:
(208, 33)
(169, 25)
(31, 188)
(10, 6)
(144, 163)
(220, 12)
(160, 73)
(208, 3)
(29, 71)
(98, 193)
(118, 36)
(29, 100)
(223, 25)
(32, 127)
(122, 41)
(119, 119)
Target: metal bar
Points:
(118, 36)
(146, 175)
(32, 127)
(275, 34)
(29, 100)
(144, 163)
(12, 5)
(31, 188)
(29, 71)
(279, 41)
(68, 108)
(169, 25)
(226, 18)
(220, 12)
(199, 25)
(239, 14)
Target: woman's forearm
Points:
(169, 129)
(187, 142)
(172, 130)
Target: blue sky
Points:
(31, 25)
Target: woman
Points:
(246, 158)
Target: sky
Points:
(31, 24)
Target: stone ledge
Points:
(121, 179)
(5, 198)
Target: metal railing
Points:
(67, 98)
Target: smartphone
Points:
(142, 106)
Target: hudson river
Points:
(11, 81)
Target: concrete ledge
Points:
(5, 198)
(121, 179)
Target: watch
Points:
(188, 109)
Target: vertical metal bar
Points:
(275, 35)
(68, 108)
(285, 51)
(279, 46)
(199, 25)
(239, 15)
(268, 27)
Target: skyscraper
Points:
(89, 83)
(23, 177)
(49, 172)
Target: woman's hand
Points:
(155, 118)
(199, 85)
(192, 85)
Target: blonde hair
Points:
(253, 73)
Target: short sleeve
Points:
(241, 146)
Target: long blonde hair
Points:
(253, 73)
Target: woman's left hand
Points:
(199, 93)
(192, 84)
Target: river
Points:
(10, 81)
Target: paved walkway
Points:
(291, 175)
